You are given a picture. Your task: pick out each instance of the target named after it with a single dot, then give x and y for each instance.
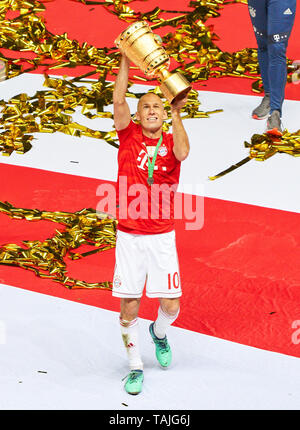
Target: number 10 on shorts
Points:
(173, 280)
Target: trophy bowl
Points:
(145, 50)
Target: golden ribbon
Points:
(192, 45)
(264, 146)
(46, 259)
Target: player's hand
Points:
(125, 59)
(179, 102)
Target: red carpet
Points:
(240, 273)
(96, 26)
(233, 27)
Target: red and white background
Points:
(236, 343)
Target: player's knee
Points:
(262, 47)
(170, 306)
(277, 51)
(129, 309)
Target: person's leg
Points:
(130, 335)
(258, 15)
(281, 15)
(168, 312)
(163, 283)
(130, 331)
(128, 284)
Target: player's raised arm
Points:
(122, 115)
(181, 147)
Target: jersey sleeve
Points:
(125, 133)
(170, 136)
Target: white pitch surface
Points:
(216, 144)
(60, 355)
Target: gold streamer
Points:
(46, 259)
(192, 45)
(264, 146)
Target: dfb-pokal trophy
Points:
(145, 50)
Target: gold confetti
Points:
(192, 44)
(264, 146)
(46, 259)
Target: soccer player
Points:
(146, 248)
(272, 22)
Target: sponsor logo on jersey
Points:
(288, 12)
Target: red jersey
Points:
(145, 209)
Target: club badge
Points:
(117, 281)
(163, 151)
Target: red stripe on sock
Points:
(125, 323)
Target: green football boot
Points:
(134, 382)
(162, 349)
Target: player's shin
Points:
(163, 321)
(130, 336)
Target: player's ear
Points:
(165, 115)
(137, 115)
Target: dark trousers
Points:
(272, 23)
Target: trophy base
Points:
(175, 86)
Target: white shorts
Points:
(146, 258)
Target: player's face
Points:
(151, 113)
